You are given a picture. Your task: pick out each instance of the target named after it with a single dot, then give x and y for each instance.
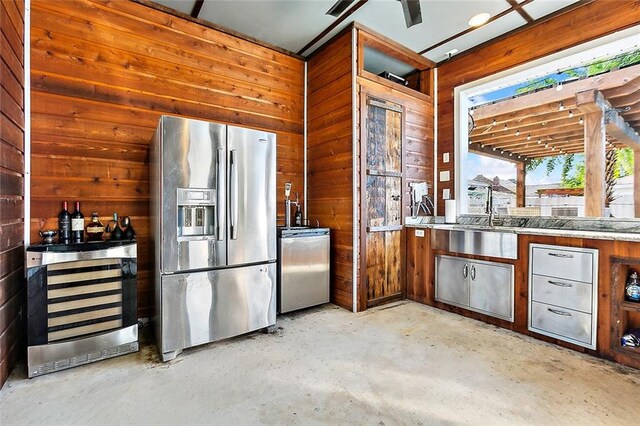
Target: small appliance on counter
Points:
(632, 288)
(81, 304)
(303, 267)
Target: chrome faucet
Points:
(493, 221)
(489, 209)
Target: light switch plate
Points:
(444, 176)
(420, 233)
(446, 194)
(445, 157)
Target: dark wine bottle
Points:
(77, 225)
(64, 225)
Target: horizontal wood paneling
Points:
(577, 26)
(11, 183)
(330, 158)
(102, 74)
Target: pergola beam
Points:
(591, 103)
(599, 82)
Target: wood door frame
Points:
(365, 94)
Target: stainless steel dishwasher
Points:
(303, 267)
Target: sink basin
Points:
(498, 242)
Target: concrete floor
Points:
(400, 364)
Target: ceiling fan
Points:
(411, 9)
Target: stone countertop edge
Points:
(438, 223)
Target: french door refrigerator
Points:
(214, 229)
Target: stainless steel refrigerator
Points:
(214, 228)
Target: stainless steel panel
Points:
(562, 323)
(255, 225)
(564, 262)
(452, 284)
(57, 356)
(128, 251)
(202, 307)
(482, 243)
(562, 292)
(491, 288)
(304, 272)
(188, 154)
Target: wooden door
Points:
(383, 200)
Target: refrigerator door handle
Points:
(233, 194)
(219, 195)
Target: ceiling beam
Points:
(468, 30)
(518, 8)
(331, 27)
(197, 7)
(600, 82)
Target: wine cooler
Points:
(81, 304)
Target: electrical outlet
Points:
(446, 194)
(444, 176)
(419, 233)
(445, 157)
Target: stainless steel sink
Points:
(498, 242)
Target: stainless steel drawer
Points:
(566, 324)
(563, 293)
(563, 262)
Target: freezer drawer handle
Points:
(558, 312)
(234, 194)
(563, 255)
(219, 229)
(560, 284)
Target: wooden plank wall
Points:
(102, 74)
(11, 183)
(330, 157)
(580, 25)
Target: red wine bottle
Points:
(64, 225)
(77, 225)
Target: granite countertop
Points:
(595, 229)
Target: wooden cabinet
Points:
(563, 293)
(367, 138)
(481, 286)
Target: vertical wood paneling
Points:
(102, 74)
(11, 183)
(577, 26)
(330, 158)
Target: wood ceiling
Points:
(549, 123)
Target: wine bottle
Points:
(64, 225)
(77, 225)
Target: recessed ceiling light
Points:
(479, 19)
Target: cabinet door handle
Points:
(558, 312)
(465, 270)
(563, 255)
(560, 284)
(473, 273)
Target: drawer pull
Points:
(560, 284)
(563, 255)
(558, 312)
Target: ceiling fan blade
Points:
(339, 7)
(412, 12)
